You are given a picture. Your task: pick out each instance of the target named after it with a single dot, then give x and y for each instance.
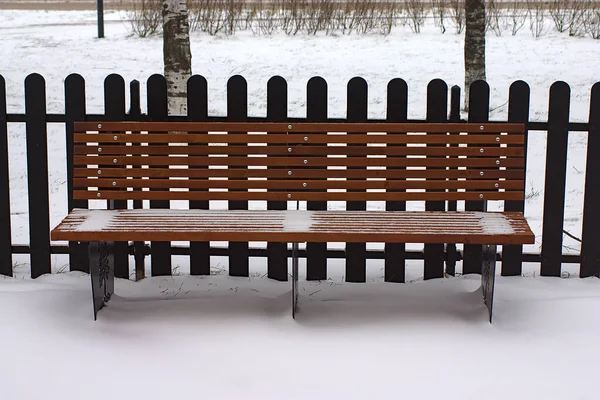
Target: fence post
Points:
(437, 109)
(518, 111)
(135, 114)
(397, 111)
(316, 111)
(590, 237)
(356, 253)
(479, 106)
(277, 103)
(75, 111)
(5, 230)
(452, 255)
(158, 110)
(197, 100)
(237, 111)
(37, 174)
(556, 175)
(114, 109)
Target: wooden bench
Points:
(348, 162)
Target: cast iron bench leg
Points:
(488, 276)
(294, 279)
(102, 273)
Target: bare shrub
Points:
(388, 16)
(247, 18)
(145, 17)
(233, 10)
(217, 16)
(318, 16)
(515, 18)
(537, 15)
(349, 17)
(493, 17)
(457, 14)
(292, 17)
(267, 17)
(337, 20)
(208, 16)
(415, 10)
(571, 15)
(577, 14)
(560, 12)
(439, 9)
(364, 16)
(368, 16)
(591, 20)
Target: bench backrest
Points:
(298, 161)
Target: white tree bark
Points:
(474, 44)
(176, 53)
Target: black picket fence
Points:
(512, 257)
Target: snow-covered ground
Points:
(224, 338)
(234, 337)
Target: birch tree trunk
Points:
(474, 44)
(176, 53)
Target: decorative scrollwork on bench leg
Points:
(294, 279)
(488, 276)
(102, 273)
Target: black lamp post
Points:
(100, 18)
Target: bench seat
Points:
(295, 226)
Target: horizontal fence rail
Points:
(62, 118)
(558, 126)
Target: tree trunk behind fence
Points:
(474, 44)
(176, 53)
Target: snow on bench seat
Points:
(295, 226)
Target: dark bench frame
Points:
(100, 251)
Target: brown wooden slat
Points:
(102, 219)
(156, 235)
(352, 226)
(296, 127)
(300, 161)
(177, 225)
(295, 184)
(301, 196)
(382, 150)
(298, 150)
(308, 138)
(298, 173)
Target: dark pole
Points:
(100, 18)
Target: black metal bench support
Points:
(488, 276)
(294, 279)
(102, 273)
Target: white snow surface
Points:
(96, 220)
(298, 221)
(496, 223)
(233, 338)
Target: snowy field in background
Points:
(234, 338)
